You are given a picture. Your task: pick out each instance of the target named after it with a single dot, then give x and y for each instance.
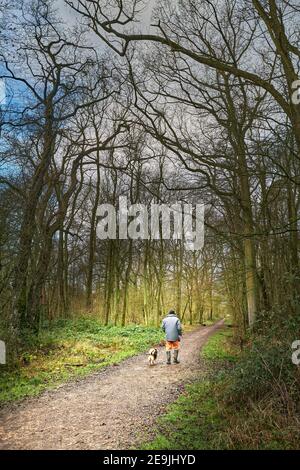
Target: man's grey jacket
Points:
(172, 327)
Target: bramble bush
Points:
(265, 367)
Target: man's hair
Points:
(172, 312)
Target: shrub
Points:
(265, 368)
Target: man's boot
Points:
(176, 351)
(168, 357)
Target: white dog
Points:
(152, 355)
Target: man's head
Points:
(172, 312)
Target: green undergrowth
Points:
(69, 349)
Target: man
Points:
(172, 327)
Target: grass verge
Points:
(70, 349)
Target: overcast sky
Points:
(70, 16)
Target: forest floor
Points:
(115, 408)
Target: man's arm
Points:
(179, 328)
(163, 326)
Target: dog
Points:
(152, 356)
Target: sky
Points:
(70, 16)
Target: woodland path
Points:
(115, 408)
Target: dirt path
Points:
(111, 409)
